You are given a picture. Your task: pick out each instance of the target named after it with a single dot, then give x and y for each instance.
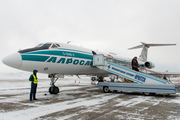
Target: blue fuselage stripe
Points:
(74, 50)
(34, 58)
(39, 55)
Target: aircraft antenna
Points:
(68, 42)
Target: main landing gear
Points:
(53, 89)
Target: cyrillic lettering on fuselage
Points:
(52, 59)
(69, 61)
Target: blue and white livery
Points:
(59, 59)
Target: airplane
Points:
(59, 59)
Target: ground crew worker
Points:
(135, 64)
(34, 80)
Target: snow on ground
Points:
(80, 100)
(176, 80)
(47, 109)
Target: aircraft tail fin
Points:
(145, 46)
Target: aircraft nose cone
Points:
(14, 60)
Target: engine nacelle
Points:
(149, 65)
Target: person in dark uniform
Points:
(135, 64)
(165, 77)
(34, 80)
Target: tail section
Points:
(145, 46)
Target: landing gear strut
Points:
(53, 89)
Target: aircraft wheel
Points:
(54, 90)
(106, 89)
(50, 90)
(146, 93)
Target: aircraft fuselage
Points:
(65, 59)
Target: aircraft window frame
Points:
(46, 45)
(54, 46)
(39, 45)
(57, 45)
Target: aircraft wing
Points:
(171, 74)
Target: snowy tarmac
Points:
(82, 101)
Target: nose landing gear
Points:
(53, 89)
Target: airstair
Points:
(145, 81)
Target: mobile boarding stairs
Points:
(144, 81)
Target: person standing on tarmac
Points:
(135, 64)
(34, 80)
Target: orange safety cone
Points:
(75, 81)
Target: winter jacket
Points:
(31, 78)
(134, 63)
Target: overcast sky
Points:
(106, 25)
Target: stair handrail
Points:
(141, 68)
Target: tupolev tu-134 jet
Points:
(59, 59)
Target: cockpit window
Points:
(46, 46)
(40, 45)
(58, 45)
(54, 46)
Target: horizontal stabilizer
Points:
(149, 45)
(145, 46)
(136, 47)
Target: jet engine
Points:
(149, 65)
